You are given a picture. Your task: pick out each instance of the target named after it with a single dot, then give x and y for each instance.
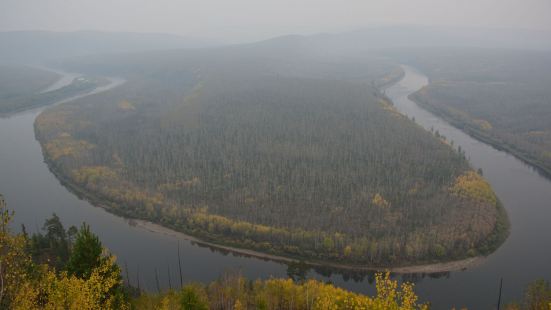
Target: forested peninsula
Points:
(275, 152)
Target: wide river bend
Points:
(34, 193)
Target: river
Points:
(34, 193)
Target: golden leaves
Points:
(65, 145)
(93, 174)
(471, 185)
(62, 291)
(126, 105)
(379, 201)
(483, 124)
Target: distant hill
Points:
(364, 40)
(430, 36)
(40, 46)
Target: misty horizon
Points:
(247, 21)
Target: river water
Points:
(34, 193)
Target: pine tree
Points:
(86, 254)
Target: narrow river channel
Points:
(33, 192)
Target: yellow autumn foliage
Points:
(471, 185)
(28, 286)
(125, 105)
(380, 202)
(388, 106)
(14, 261)
(101, 178)
(52, 292)
(93, 174)
(65, 145)
(288, 294)
(483, 124)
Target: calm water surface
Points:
(34, 193)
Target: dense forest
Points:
(23, 87)
(275, 152)
(498, 96)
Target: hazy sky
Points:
(256, 19)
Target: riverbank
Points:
(391, 79)
(483, 137)
(425, 268)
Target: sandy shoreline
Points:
(425, 268)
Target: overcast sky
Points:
(238, 20)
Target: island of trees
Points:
(271, 150)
